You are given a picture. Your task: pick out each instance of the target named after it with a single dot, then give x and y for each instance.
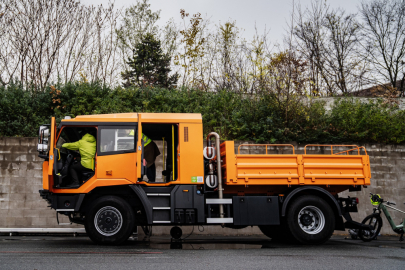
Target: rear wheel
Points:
(277, 232)
(109, 221)
(376, 223)
(310, 220)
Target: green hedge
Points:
(235, 117)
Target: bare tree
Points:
(102, 63)
(4, 43)
(311, 35)
(344, 62)
(384, 40)
(49, 40)
(192, 50)
(226, 40)
(329, 39)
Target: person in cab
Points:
(87, 149)
(151, 151)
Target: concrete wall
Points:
(21, 178)
(330, 100)
(388, 179)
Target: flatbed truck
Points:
(288, 196)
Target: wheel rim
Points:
(108, 221)
(372, 233)
(311, 219)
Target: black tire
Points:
(110, 221)
(271, 231)
(278, 233)
(310, 220)
(376, 222)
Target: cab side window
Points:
(117, 140)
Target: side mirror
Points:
(43, 139)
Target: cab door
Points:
(116, 152)
(47, 180)
(139, 157)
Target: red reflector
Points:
(357, 200)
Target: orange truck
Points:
(288, 196)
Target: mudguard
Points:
(308, 188)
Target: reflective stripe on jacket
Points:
(145, 140)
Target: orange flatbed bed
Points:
(349, 167)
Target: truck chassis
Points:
(288, 196)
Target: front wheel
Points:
(375, 222)
(310, 220)
(110, 221)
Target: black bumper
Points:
(59, 202)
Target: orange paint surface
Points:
(259, 170)
(133, 117)
(191, 160)
(45, 182)
(120, 166)
(93, 183)
(270, 169)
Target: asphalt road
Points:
(67, 252)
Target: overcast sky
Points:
(272, 14)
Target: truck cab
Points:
(294, 195)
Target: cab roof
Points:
(145, 117)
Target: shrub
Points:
(234, 116)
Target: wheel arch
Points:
(133, 194)
(312, 190)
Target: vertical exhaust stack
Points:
(219, 172)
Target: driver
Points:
(87, 148)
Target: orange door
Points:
(116, 153)
(191, 162)
(47, 183)
(139, 150)
(120, 166)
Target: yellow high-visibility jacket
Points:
(87, 149)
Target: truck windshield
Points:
(63, 138)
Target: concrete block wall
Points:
(330, 100)
(387, 164)
(21, 178)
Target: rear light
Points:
(355, 201)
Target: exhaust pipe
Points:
(219, 172)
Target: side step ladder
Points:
(225, 202)
(161, 207)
